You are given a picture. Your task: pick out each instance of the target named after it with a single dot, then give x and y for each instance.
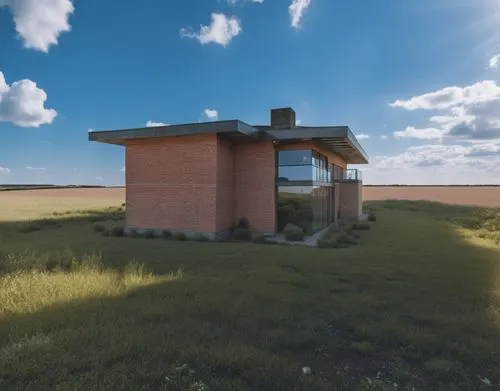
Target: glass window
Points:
(306, 206)
(295, 173)
(295, 158)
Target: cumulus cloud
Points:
(362, 136)
(23, 104)
(484, 156)
(40, 22)
(448, 97)
(383, 137)
(471, 112)
(297, 10)
(151, 124)
(99, 178)
(221, 30)
(123, 169)
(494, 61)
(4, 170)
(211, 114)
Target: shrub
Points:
(259, 238)
(243, 223)
(345, 238)
(29, 227)
(361, 226)
(134, 233)
(293, 233)
(47, 222)
(181, 236)
(241, 234)
(167, 234)
(117, 231)
(106, 232)
(372, 217)
(99, 227)
(199, 237)
(149, 234)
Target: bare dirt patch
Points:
(458, 195)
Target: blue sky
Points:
(416, 81)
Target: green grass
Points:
(417, 299)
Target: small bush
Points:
(241, 234)
(293, 233)
(117, 231)
(345, 238)
(166, 234)
(99, 227)
(259, 238)
(106, 232)
(243, 223)
(134, 233)
(372, 217)
(181, 236)
(361, 226)
(149, 234)
(199, 237)
(27, 228)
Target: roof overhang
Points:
(120, 137)
(339, 139)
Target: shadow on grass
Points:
(413, 301)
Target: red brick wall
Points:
(255, 184)
(351, 199)
(225, 186)
(171, 183)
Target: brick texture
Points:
(351, 199)
(171, 183)
(225, 186)
(255, 184)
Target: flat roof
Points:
(339, 139)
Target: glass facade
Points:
(310, 205)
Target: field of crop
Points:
(414, 305)
(488, 196)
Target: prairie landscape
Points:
(413, 305)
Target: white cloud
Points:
(362, 136)
(40, 22)
(22, 103)
(298, 122)
(422, 134)
(99, 178)
(4, 170)
(151, 124)
(211, 114)
(494, 61)
(296, 10)
(383, 137)
(448, 97)
(39, 169)
(123, 169)
(221, 30)
(469, 113)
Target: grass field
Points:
(416, 304)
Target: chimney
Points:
(283, 118)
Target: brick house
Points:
(203, 177)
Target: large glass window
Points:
(303, 165)
(306, 206)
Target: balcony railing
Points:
(350, 175)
